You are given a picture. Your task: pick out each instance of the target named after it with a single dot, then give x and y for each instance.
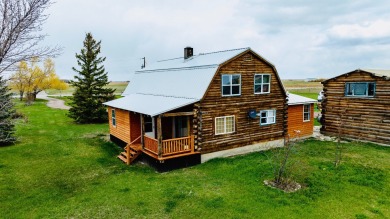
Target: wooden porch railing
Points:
(170, 146)
(151, 144)
(178, 145)
(127, 149)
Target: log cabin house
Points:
(200, 107)
(356, 106)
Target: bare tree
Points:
(20, 25)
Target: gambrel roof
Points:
(170, 84)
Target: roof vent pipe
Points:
(188, 52)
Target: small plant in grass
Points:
(285, 167)
(339, 148)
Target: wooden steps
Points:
(132, 151)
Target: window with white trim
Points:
(360, 89)
(267, 117)
(224, 125)
(262, 83)
(113, 117)
(306, 112)
(231, 85)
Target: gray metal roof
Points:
(180, 82)
(149, 104)
(170, 84)
(378, 72)
(180, 77)
(294, 99)
(202, 59)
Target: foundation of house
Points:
(243, 150)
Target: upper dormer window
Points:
(360, 89)
(262, 83)
(231, 85)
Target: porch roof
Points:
(294, 99)
(151, 105)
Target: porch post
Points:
(159, 136)
(142, 131)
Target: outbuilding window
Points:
(360, 89)
(267, 117)
(224, 125)
(231, 85)
(262, 83)
(306, 112)
(113, 117)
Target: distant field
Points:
(303, 88)
(119, 86)
(294, 86)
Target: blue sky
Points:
(303, 39)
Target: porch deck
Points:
(170, 148)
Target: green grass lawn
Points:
(59, 169)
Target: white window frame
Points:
(261, 84)
(308, 113)
(348, 84)
(267, 117)
(113, 117)
(231, 85)
(224, 124)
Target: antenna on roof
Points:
(144, 63)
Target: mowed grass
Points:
(63, 170)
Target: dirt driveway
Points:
(53, 102)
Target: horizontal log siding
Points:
(247, 131)
(122, 128)
(295, 121)
(366, 119)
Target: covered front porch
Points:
(166, 136)
(162, 127)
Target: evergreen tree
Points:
(89, 85)
(7, 112)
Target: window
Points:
(262, 83)
(224, 125)
(113, 117)
(360, 89)
(306, 112)
(231, 85)
(267, 117)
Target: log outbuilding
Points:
(356, 105)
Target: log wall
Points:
(361, 118)
(295, 121)
(247, 131)
(122, 128)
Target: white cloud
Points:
(303, 39)
(368, 29)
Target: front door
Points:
(180, 126)
(149, 126)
